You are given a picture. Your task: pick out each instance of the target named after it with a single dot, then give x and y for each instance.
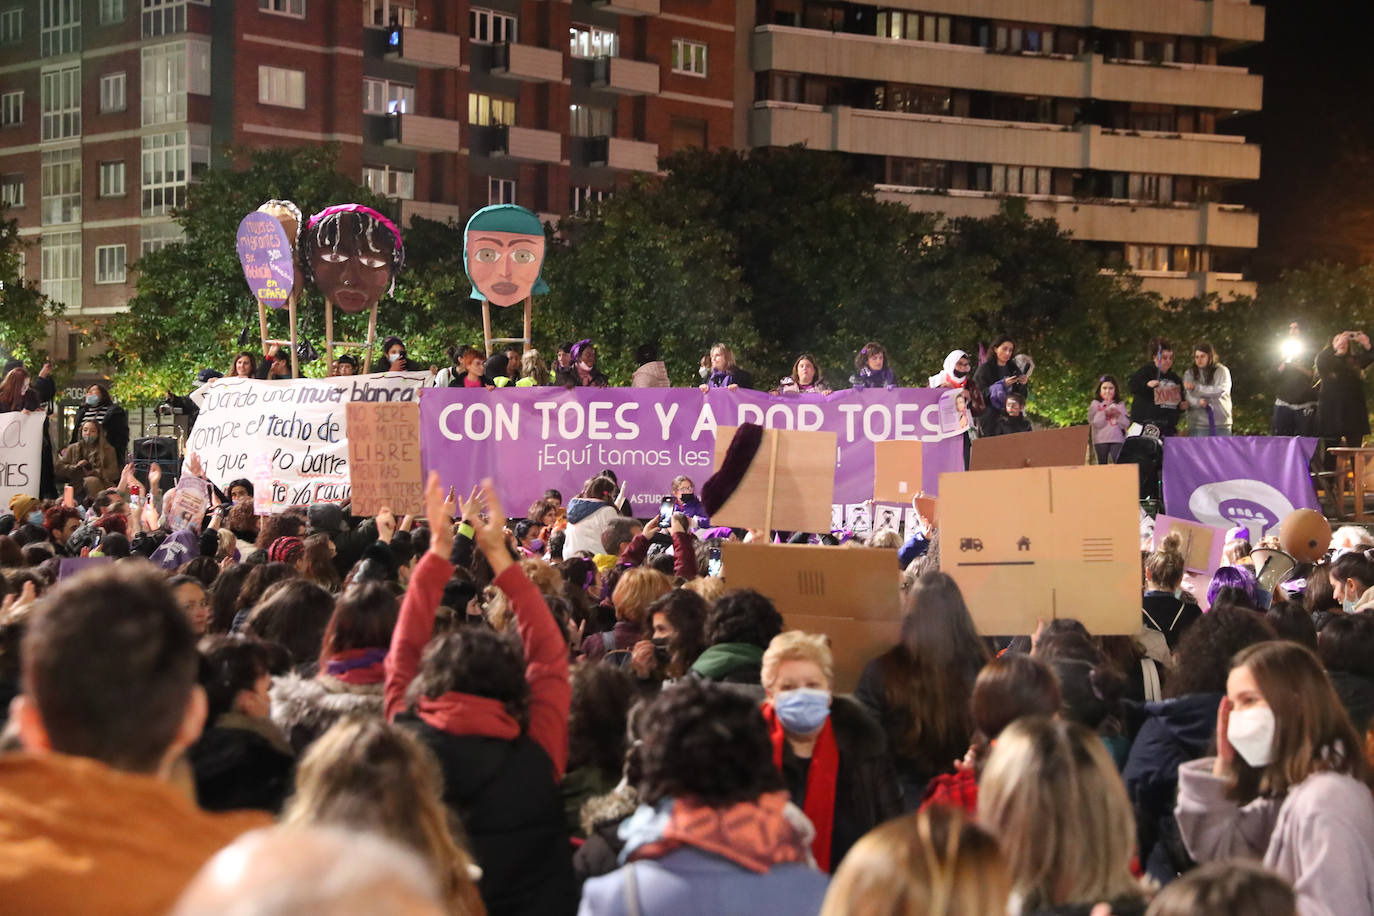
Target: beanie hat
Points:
(285, 549)
(21, 505)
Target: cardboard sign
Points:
(788, 487)
(851, 594)
(896, 470)
(189, 504)
(384, 458)
(21, 453)
(1202, 552)
(1044, 448)
(1044, 543)
(267, 258)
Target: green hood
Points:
(719, 660)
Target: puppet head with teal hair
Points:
(503, 254)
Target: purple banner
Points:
(531, 439)
(265, 253)
(1252, 481)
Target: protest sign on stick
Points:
(788, 486)
(21, 451)
(384, 458)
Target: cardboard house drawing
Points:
(503, 255)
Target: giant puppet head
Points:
(289, 215)
(503, 253)
(352, 254)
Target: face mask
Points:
(803, 710)
(703, 371)
(1251, 733)
(92, 400)
(397, 357)
(958, 374)
(35, 517)
(1348, 605)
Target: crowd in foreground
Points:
(563, 711)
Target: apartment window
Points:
(490, 111)
(1158, 188)
(277, 86)
(61, 180)
(157, 236)
(586, 121)
(163, 17)
(11, 26)
(12, 190)
(164, 84)
(387, 14)
(488, 26)
(389, 182)
(1147, 257)
(914, 26)
(1018, 179)
(112, 92)
(109, 263)
(61, 271)
(111, 11)
(12, 108)
(1014, 39)
(283, 7)
(913, 99)
(382, 97)
(59, 27)
(170, 161)
(689, 57)
(500, 190)
(61, 103)
(686, 133)
(112, 178)
(589, 41)
(1155, 50)
(918, 173)
(580, 198)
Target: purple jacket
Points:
(1100, 416)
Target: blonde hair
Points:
(886, 538)
(934, 862)
(637, 589)
(1166, 565)
(370, 775)
(794, 645)
(1053, 798)
(710, 588)
(725, 349)
(546, 578)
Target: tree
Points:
(25, 313)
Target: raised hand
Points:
(1226, 754)
(490, 532)
(386, 524)
(438, 509)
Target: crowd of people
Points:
(567, 709)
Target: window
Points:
(583, 197)
(586, 121)
(12, 190)
(11, 26)
(685, 133)
(918, 173)
(386, 14)
(1151, 187)
(589, 41)
(60, 27)
(62, 103)
(61, 187)
(490, 111)
(385, 97)
(163, 17)
(112, 92)
(170, 161)
(1147, 257)
(61, 277)
(913, 26)
(500, 191)
(109, 263)
(389, 182)
(277, 86)
(12, 108)
(689, 57)
(157, 236)
(111, 11)
(913, 99)
(1017, 179)
(112, 178)
(283, 7)
(164, 84)
(489, 26)
(1015, 40)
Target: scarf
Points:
(720, 379)
(584, 372)
(357, 666)
(468, 714)
(820, 781)
(946, 377)
(755, 835)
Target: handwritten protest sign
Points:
(299, 425)
(21, 449)
(266, 255)
(189, 504)
(384, 458)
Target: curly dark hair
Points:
(478, 661)
(1207, 647)
(745, 616)
(686, 613)
(278, 526)
(707, 743)
(601, 700)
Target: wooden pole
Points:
(529, 313)
(486, 326)
(291, 316)
(262, 324)
(772, 481)
(371, 339)
(329, 331)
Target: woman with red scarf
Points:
(832, 753)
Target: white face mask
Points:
(1251, 733)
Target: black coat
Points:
(506, 796)
(1341, 409)
(1143, 406)
(570, 378)
(1357, 696)
(1171, 616)
(236, 768)
(987, 375)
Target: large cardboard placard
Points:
(21, 451)
(1202, 551)
(1043, 448)
(384, 458)
(851, 594)
(896, 470)
(1044, 543)
(788, 487)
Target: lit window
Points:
(500, 191)
(61, 271)
(109, 263)
(170, 71)
(583, 197)
(62, 103)
(170, 161)
(586, 121)
(12, 190)
(490, 111)
(589, 41)
(283, 7)
(112, 97)
(382, 97)
(689, 57)
(163, 17)
(278, 86)
(388, 14)
(388, 182)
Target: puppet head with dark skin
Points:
(503, 254)
(353, 254)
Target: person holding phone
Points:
(684, 496)
(89, 464)
(1342, 415)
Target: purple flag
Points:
(529, 439)
(1251, 481)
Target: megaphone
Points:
(1272, 567)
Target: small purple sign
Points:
(266, 256)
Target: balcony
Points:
(618, 153)
(527, 63)
(628, 7)
(428, 135)
(425, 209)
(1209, 224)
(423, 48)
(922, 63)
(1180, 285)
(522, 144)
(624, 76)
(920, 136)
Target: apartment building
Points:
(1103, 114)
(110, 108)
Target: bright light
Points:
(1291, 348)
